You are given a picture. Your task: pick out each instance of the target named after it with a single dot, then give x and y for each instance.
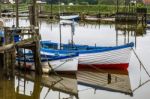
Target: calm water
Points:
(86, 84)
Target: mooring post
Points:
(9, 54)
(17, 17)
(34, 22)
(37, 58)
(0, 10)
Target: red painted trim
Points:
(122, 66)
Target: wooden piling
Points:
(9, 54)
(0, 10)
(17, 17)
(34, 23)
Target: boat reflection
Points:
(114, 81)
(30, 86)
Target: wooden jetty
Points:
(9, 47)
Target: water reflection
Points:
(96, 32)
(44, 87)
(31, 86)
(7, 87)
(102, 82)
(109, 80)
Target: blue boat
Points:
(111, 57)
(59, 63)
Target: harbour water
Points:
(86, 84)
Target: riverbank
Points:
(89, 9)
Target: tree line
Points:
(86, 2)
(83, 2)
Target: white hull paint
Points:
(109, 57)
(62, 65)
(114, 59)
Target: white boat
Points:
(114, 57)
(69, 17)
(65, 63)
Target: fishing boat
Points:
(69, 17)
(113, 57)
(59, 63)
(116, 81)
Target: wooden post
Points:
(37, 58)
(17, 17)
(0, 10)
(34, 22)
(117, 6)
(37, 89)
(9, 54)
(51, 9)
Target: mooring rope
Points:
(141, 62)
(51, 66)
(141, 65)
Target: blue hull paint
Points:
(51, 47)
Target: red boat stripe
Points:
(122, 66)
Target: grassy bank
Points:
(85, 8)
(91, 9)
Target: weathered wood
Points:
(27, 41)
(6, 47)
(17, 17)
(32, 43)
(37, 58)
(0, 11)
(9, 56)
(9, 62)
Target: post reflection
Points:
(109, 80)
(129, 31)
(31, 86)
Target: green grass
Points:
(89, 9)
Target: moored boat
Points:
(115, 57)
(65, 63)
(69, 17)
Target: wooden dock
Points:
(9, 46)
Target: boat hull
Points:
(116, 57)
(69, 17)
(113, 59)
(61, 65)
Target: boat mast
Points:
(60, 44)
(72, 32)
